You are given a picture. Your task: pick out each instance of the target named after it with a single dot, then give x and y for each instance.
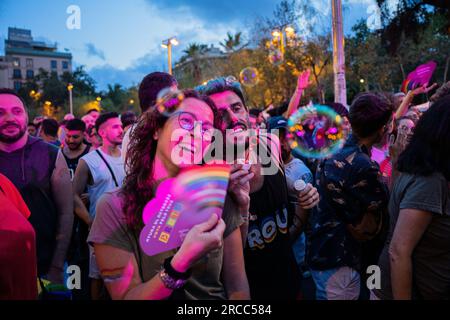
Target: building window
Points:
(16, 62)
(17, 74)
(30, 74)
(54, 64)
(29, 63)
(17, 85)
(65, 65)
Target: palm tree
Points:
(116, 94)
(232, 43)
(193, 53)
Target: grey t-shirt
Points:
(431, 257)
(110, 228)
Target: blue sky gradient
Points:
(119, 41)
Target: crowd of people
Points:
(73, 193)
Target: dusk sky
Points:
(120, 41)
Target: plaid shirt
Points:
(350, 185)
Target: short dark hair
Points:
(50, 127)
(105, 117)
(14, 93)
(76, 125)
(151, 85)
(429, 149)
(32, 124)
(369, 112)
(254, 112)
(91, 110)
(128, 118)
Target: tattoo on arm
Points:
(112, 275)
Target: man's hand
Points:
(309, 197)
(239, 186)
(424, 89)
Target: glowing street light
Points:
(168, 45)
(280, 34)
(70, 88)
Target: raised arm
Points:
(302, 84)
(403, 109)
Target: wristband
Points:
(173, 273)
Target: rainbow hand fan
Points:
(181, 203)
(419, 77)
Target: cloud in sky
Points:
(121, 41)
(93, 51)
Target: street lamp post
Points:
(168, 44)
(70, 88)
(340, 89)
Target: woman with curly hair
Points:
(209, 264)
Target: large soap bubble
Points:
(316, 131)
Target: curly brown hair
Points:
(139, 186)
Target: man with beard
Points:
(353, 204)
(74, 149)
(39, 172)
(99, 171)
(270, 265)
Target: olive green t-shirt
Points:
(110, 228)
(431, 256)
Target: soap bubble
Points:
(168, 100)
(316, 132)
(249, 77)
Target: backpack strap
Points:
(109, 167)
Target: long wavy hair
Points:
(429, 149)
(139, 186)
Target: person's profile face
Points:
(88, 120)
(112, 131)
(32, 131)
(405, 130)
